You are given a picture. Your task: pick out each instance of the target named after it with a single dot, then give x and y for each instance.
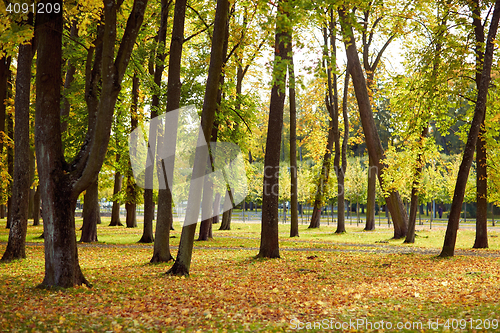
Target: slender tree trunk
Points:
(481, 240)
(294, 217)
(183, 260)
(341, 172)
(21, 182)
(91, 214)
(36, 207)
(410, 236)
(370, 195)
(161, 252)
(216, 208)
(10, 165)
(332, 107)
(479, 112)
(372, 139)
(115, 211)
(5, 77)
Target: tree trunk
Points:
(183, 260)
(372, 139)
(36, 207)
(479, 113)
(165, 219)
(131, 218)
(161, 250)
(341, 171)
(61, 256)
(410, 236)
(269, 244)
(294, 217)
(21, 182)
(60, 182)
(10, 165)
(115, 211)
(90, 214)
(226, 220)
(5, 75)
(216, 208)
(481, 241)
(370, 195)
(331, 102)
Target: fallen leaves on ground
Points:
(229, 290)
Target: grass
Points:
(230, 291)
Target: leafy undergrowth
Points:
(228, 290)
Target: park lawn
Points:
(228, 290)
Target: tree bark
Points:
(481, 240)
(341, 171)
(331, 102)
(165, 218)
(269, 243)
(21, 182)
(10, 165)
(115, 210)
(91, 213)
(5, 75)
(60, 182)
(294, 216)
(410, 236)
(372, 139)
(183, 260)
(479, 112)
(36, 207)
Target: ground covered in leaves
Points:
(228, 290)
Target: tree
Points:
(183, 260)
(161, 252)
(372, 139)
(61, 183)
(341, 171)
(21, 182)
(294, 217)
(269, 244)
(331, 102)
(479, 113)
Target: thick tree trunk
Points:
(161, 251)
(183, 260)
(226, 220)
(21, 182)
(131, 218)
(115, 210)
(90, 214)
(294, 216)
(61, 256)
(372, 139)
(269, 243)
(479, 113)
(60, 182)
